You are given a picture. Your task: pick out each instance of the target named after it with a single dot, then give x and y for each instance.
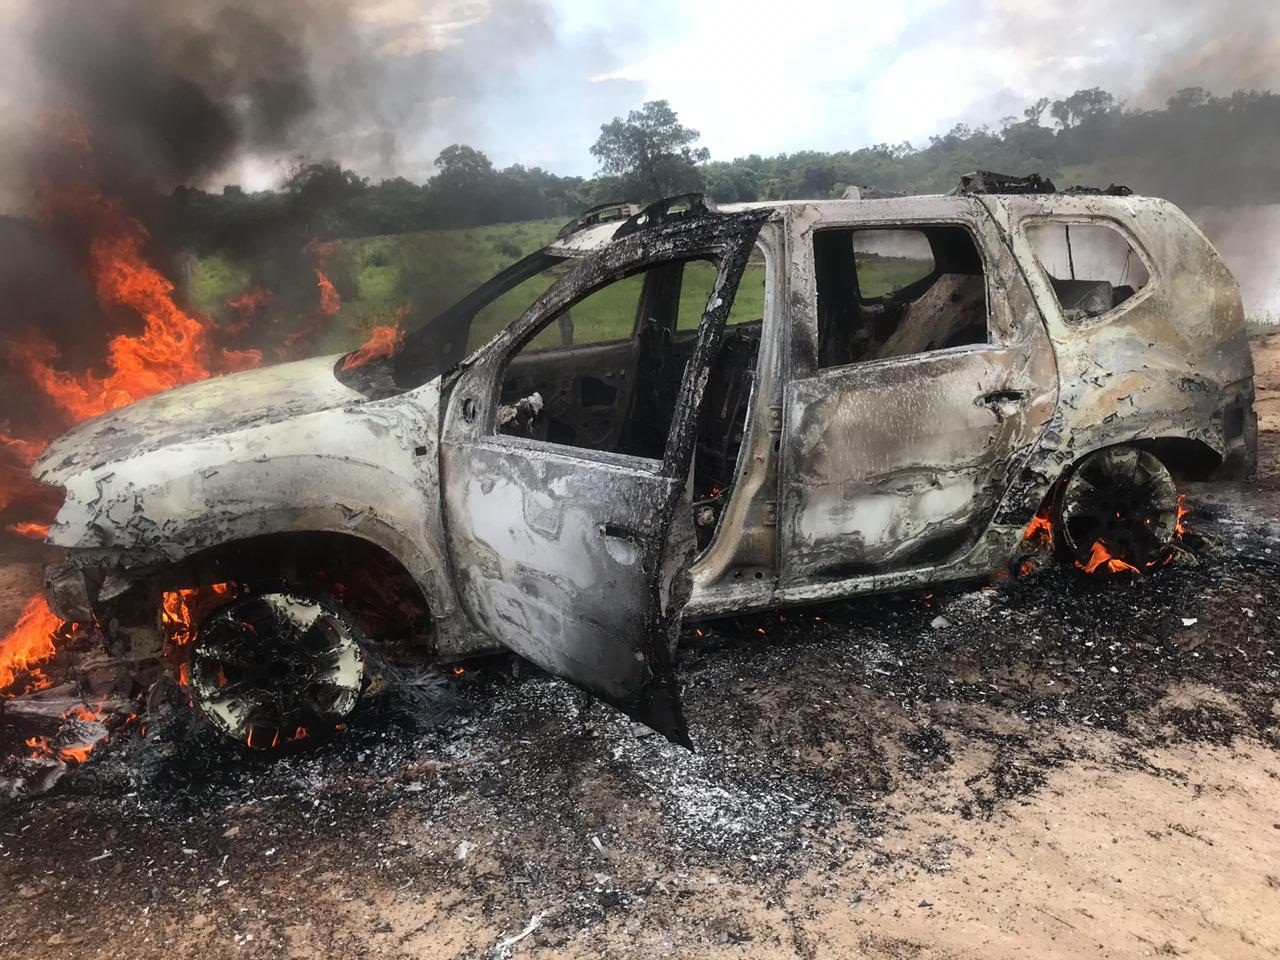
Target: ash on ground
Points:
(524, 798)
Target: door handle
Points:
(618, 531)
(1002, 397)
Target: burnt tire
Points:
(1118, 511)
(272, 668)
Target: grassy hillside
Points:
(376, 277)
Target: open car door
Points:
(577, 558)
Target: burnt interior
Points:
(942, 306)
(619, 394)
(1091, 267)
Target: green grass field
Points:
(429, 271)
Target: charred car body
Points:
(676, 412)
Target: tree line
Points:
(1197, 149)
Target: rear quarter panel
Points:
(1166, 363)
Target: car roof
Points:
(588, 239)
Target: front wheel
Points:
(272, 668)
(1119, 511)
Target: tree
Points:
(463, 165)
(465, 191)
(1034, 112)
(1189, 98)
(651, 151)
(1081, 106)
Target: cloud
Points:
(383, 85)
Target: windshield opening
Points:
(457, 332)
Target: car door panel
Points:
(899, 462)
(550, 533)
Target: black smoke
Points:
(172, 91)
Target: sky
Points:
(384, 85)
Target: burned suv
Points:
(670, 413)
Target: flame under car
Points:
(669, 413)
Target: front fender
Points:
(369, 470)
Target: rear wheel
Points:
(1119, 511)
(272, 668)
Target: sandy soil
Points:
(1066, 768)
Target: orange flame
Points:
(330, 301)
(42, 747)
(164, 355)
(181, 609)
(383, 341)
(16, 457)
(33, 531)
(30, 642)
(245, 305)
(1100, 558)
(25, 452)
(322, 250)
(173, 347)
(1039, 532)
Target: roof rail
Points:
(600, 213)
(668, 208)
(1114, 190)
(984, 181)
(863, 192)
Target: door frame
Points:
(470, 421)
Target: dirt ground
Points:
(1056, 766)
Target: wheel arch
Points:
(367, 577)
(1185, 457)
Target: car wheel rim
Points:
(274, 668)
(1124, 499)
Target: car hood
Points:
(197, 411)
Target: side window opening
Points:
(1091, 267)
(604, 373)
(699, 279)
(888, 292)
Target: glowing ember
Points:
(1100, 558)
(29, 643)
(1183, 510)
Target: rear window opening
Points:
(888, 292)
(1091, 267)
